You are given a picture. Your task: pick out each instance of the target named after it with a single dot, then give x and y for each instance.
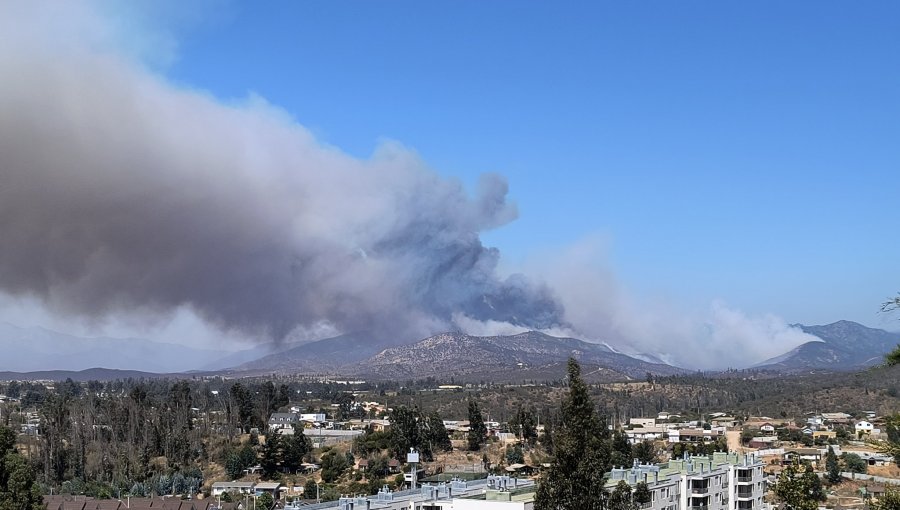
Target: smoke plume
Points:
(122, 192)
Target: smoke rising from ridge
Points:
(121, 193)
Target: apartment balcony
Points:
(745, 479)
(704, 507)
(745, 495)
(700, 490)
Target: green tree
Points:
(404, 430)
(309, 489)
(799, 491)
(893, 358)
(477, 430)
(434, 434)
(621, 450)
(18, 487)
(334, 464)
(293, 449)
(265, 501)
(272, 456)
(546, 438)
(514, 455)
(284, 397)
(620, 498)
(645, 452)
(642, 493)
(854, 463)
(581, 457)
(892, 445)
(832, 469)
(889, 501)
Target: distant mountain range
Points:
(844, 346)
(530, 355)
(37, 353)
(40, 349)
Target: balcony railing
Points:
(700, 490)
(745, 494)
(744, 479)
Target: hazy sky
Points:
(695, 174)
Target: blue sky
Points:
(738, 151)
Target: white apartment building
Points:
(722, 481)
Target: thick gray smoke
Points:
(122, 192)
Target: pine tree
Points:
(477, 431)
(581, 458)
(832, 467)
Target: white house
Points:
(864, 427)
(642, 422)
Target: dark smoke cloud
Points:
(120, 192)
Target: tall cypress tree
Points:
(832, 467)
(477, 430)
(581, 458)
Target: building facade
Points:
(722, 481)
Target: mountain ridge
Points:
(842, 346)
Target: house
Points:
(281, 421)
(692, 435)
(799, 455)
(312, 417)
(642, 422)
(837, 418)
(641, 434)
(272, 488)
(219, 488)
(521, 469)
(767, 428)
(825, 434)
(761, 442)
(724, 421)
(863, 427)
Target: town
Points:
(327, 444)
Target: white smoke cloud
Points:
(599, 308)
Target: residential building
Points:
(863, 427)
(219, 488)
(723, 481)
(642, 422)
(280, 421)
(640, 434)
